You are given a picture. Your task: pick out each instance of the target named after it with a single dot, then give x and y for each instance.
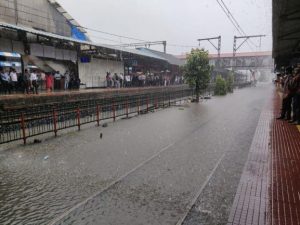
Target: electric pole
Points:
(218, 47)
(245, 38)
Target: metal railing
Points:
(36, 120)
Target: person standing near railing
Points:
(42, 80)
(49, 82)
(108, 80)
(116, 81)
(14, 79)
(121, 77)
(67, 80)
(5, 81)
(34, 82)
(57, 78)
(296, 103)
(127, 80)
(23, 82)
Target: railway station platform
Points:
(17, 101)
(269, 189)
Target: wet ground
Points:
(181, 165)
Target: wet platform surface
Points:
(269, 189)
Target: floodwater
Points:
(145, 170)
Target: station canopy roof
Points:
(110, 48)
(171, 59)
(286, 31)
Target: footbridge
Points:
(243, 61)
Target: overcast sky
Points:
(179, 22)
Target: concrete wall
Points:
(93, 74)
(39, 14)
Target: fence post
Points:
(156, 103)
(98, 116)
(138, 106)
(169, 100)
(54, 123)
(78, 118)
(114, 111)
(127, 109)
(23, 128)
(147, 104)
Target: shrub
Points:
(221, 87)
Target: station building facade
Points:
(41, 34)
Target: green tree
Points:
(230, 82)
(221, 87)
(197, 70)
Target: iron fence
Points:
(33, 121)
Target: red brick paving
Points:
(269, 189)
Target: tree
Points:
(197, 70)
(220, 88)
(230, 82)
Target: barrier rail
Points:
(33, 121)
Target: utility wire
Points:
(111, 34)
(237, 24)
(233, 20)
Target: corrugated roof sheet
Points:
(173, 60)
(59, 37)
(71, 20)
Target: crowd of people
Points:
(141, 80)
(290, 84)
(33, 81)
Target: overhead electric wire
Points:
(233, 20)
(111, 34)
(236, 22)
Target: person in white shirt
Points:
(67, 80)
(127, 80)
(13, 79)
(34, 82)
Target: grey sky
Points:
(180, 22)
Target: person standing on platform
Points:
(121, 77)
(22, 83)
(2, 81)
(49, 82)
(27, 82)
(287, 96)
(116, 81)
(34, 82)
(296, 104)
(127, 80)
(57, 78)
(6, 82)
(14, 79)
(42, 80)
(108, 80)
(67, 80)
